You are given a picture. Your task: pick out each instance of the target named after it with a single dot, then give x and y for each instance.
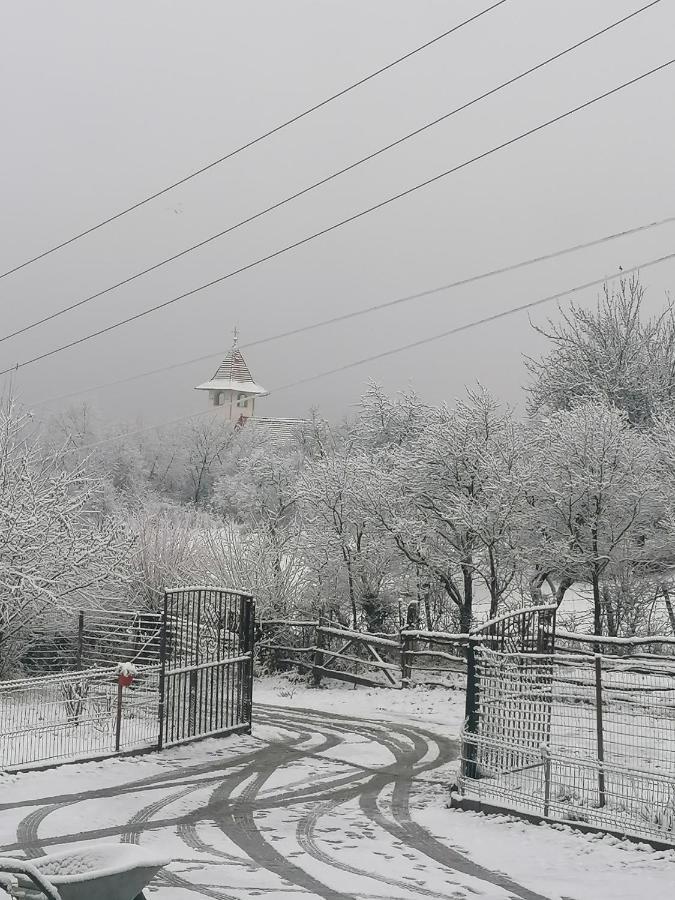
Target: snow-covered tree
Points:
(611, 353)
(343, 548)
(596, 503)
(58, 551)
(247, 559)
(385, 421)
(449, 499)
(258, 488)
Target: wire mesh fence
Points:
(75, 715)
(76, 697)
(84, 640)
(577, 737)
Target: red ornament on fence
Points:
(124, 680)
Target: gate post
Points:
(246, 643)
(469, 747)
(162, 672)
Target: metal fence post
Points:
(162, 672)
(547, 779)
(118, 717)
(247, 646)
(599, 730)
(469, 748)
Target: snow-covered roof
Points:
(277, 430)
(232, 375)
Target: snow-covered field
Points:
(339, 793)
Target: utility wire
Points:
(327, 179)
(254, 141)
(378, 307)
(335, 226)
(437, 336)
(622, 273)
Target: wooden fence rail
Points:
(324, 649)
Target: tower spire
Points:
(232, 388)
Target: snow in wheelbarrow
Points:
(94, 872)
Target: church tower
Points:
(232, 389)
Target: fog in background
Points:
(104, 103)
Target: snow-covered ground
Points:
(339, 793)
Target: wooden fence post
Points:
(406, 669)
(599, 730)
(318, 654)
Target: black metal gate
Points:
(206, 659)
(509, 690)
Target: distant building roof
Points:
(278, 431)
(232, 375)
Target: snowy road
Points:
(314, 804)
(319, 806)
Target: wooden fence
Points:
(325, 649)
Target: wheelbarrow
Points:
(96, 872)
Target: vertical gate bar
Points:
(162, 673)
(236, 649)
(176, 652)
(179, 684)
(192, 701)
(233, 696)
(226, 694)
(251, 647)
(236, 669)
(198, 625)
(242, 638)
(221, 653)
(219, 671)
(198, 660)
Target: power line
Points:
(254, 141)
(335, 226)
(378, 307)
(306, 190)
(437, 336)
(622, 273)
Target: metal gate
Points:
(509, 691)
(206, 664)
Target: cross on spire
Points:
(235, 336)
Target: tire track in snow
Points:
(382, 791)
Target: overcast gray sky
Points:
(103, 103)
